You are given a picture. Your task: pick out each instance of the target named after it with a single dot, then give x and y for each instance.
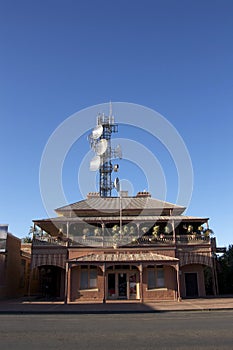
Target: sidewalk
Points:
(24, 306)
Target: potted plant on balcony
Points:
(115, 232)
(85, 233)
(155, 232)
(125, 230)
(190, 229)
(208, 232)
(132, 230)
(190, 232)
(144, 229)
(97, 231)
(200, 230)
(133, 233)
(168, 229)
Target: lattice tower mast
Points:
(106, 167)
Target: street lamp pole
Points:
(120, 214)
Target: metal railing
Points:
(48, 240)
(111, 241)
(192, 239)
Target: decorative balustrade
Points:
(111, 241)
(162, 239)
(48, 240)
(192, 239)
(102, 241)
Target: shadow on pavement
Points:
(51, 306)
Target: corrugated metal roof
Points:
(153, 218)
(124, 257)
(115, 203)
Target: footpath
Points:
(27, 306)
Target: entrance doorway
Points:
(191, 284)
(111, 286)
(123, 284)
(52, 281)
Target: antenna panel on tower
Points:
(118, 152)
(117, 184)
(101, 147)
(95, 163)
(97, 132)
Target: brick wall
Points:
(166, 293)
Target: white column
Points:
(105, 284)
(141, 282)
(178, 282)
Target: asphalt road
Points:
(181, 330)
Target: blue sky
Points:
(58, 57)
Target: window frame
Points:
(156, 285)
(89, 269)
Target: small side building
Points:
(14, 265)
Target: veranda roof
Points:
(124, 257)
(52, 225)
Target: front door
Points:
(112, 285)
(122, 285)
(133, 286)
(191, 284)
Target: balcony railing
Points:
(192, 239)
(111, 241)
(48, 240)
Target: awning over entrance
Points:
(49, 259)
(125, 257)
(202, 258)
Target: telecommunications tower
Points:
(100, 141)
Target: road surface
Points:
(171, 330)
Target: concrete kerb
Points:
(187, 305)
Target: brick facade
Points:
(94, 261)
